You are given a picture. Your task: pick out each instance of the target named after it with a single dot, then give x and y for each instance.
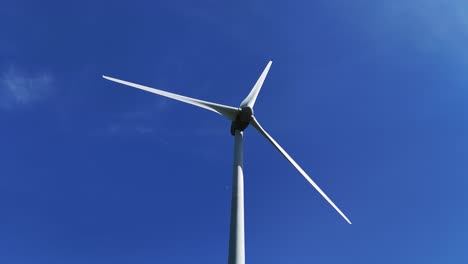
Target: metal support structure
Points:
(236, 232)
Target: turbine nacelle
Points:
(242, 120)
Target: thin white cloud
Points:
(429, 24)
(20, 89)
(145, 111)
(120, 128)
(139, 120)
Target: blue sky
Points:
(369, 97)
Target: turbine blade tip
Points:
(107, 77)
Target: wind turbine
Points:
(241, 118)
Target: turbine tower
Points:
(241, 118)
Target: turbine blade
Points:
(250, 99)
(257, 126)
(226, 111)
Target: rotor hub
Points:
(242, 119)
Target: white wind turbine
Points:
(241, 117)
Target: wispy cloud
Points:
(125, 128)
(142, 119)
(429, 24)
(146, 111)
(153, 118)
(21, 89)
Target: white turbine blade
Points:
(257, 126)
(226, 111)
(250, 99)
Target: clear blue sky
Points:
(370, 97)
